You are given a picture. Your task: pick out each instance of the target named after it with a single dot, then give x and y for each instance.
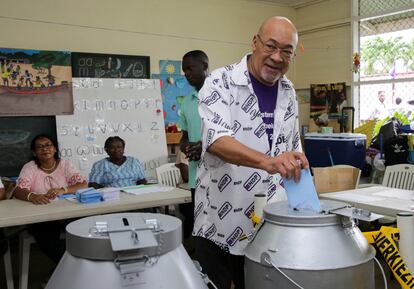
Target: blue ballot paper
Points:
(88, 195)
(66, 196)
(302, 195)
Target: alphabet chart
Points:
(128, 108)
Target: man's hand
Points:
(184, 146)
(288, 165)
(194, 151)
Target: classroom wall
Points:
(159, 28)
(167, 29)
(324, 29)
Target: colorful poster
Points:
(328, 99)
(174, 88)
(337, 98)
(170, 66)
(319, 99)
(35, 82)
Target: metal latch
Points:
(356, 213)
(130, 269)
(132, 242)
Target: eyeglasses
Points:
(44, 146)
(285, 53)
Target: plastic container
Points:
(411, 156)
(324, 150)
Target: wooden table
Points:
(377, 199)
(16, 212)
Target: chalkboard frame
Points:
(145, 60)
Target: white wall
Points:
(324, 30)
(159, 28)
(167, 29)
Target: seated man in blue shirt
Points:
(117, 170)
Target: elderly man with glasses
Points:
(250, 143)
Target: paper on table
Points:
(357, 198)
(396, 193)
(139, 190)
(302, 195)
(109, 193)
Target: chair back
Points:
(336, 178)
(399, 176)
(168, 174)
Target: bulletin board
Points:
(128, 108)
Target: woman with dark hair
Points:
(47, 176)
(117, 170)
(42, 180)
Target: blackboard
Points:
(16, 134)
(97, 65)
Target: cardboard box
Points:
(174, 138)
(337, 178)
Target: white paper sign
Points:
(128, 108)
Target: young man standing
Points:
(195, 67)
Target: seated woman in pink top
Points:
(47, 176)
(41, 180)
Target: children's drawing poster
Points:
(170, 66)
(35, 82)
(174, 88)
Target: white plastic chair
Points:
(399, 176)
(8, 269)
(168, 175)
(25, 242)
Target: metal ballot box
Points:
(314, 250)
(127, 250)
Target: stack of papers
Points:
(145, 189)
(110, 194)
(66, 196)
(89, 195)
(302, 195)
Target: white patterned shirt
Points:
(225, 192)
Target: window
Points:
(386, 45)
